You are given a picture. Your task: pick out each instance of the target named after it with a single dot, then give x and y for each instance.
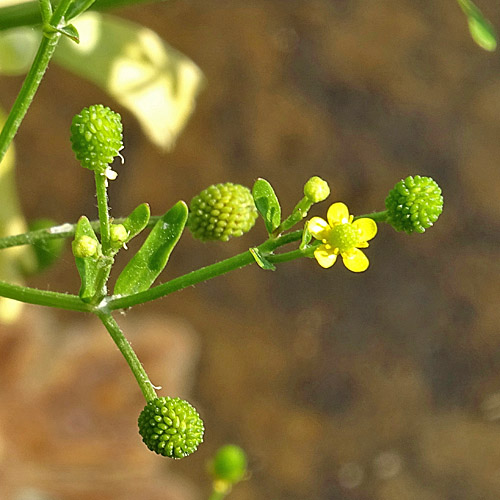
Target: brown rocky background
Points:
(379, 386)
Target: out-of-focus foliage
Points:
(136, 67)
(481, 30)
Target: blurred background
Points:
(378, 386)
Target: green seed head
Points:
(96, 137)
(316, 189)
(414, 204)
(171, 427)
(229, 464)
(222, 211)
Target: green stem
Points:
(376, 216)
(28, 90)
(101, 183)
(28, 13)
(130, 356)
(33, 79)
(56, 232)
(298, 213)
(45, 10)
(43, 297)
(218, 495)
(206, 273)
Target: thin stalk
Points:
(28, 90)
(218, 495)
(28, 13)
(32, 80)
(101, 183)
(129, 354)
(299, 212)
(204, 273)
(46, 10)
(56, 232)
(376, 216)
(43, 297)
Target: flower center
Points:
(343, 236)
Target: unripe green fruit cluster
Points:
(222, 211)
(414, 204)
(171, 427)
(96, 137)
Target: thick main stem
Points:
(130, 356)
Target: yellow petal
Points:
(318, 227)
(367, 228)
(326, 258)
(355, 260)
(338, 213)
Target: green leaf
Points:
(261, 260)
(145, 266)
(481, 30)
(71, 32)
(136, 67)
(18, 47)
(87, 266)
(77, 8)
(267, 204)
(137, 220)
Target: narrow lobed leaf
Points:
(267, 204)
(145, 266)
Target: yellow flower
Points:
(340, 235)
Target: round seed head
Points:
(96, 137)
(171, 427)
(222, 211)
(414, 204)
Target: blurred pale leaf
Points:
(11, 222)
(481, 30)
(133, 64)
(17, 49)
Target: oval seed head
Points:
(171, 427)
(414, 204)
(96, 137)
(316, 189)
(229, 464)
(85, 246)
(222, 211)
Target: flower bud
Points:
(222, 211)
(118, 233)
(84, 246)
(229, 464)
(171, 427)
(316, 189)
(414, 204)
(96, 137)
